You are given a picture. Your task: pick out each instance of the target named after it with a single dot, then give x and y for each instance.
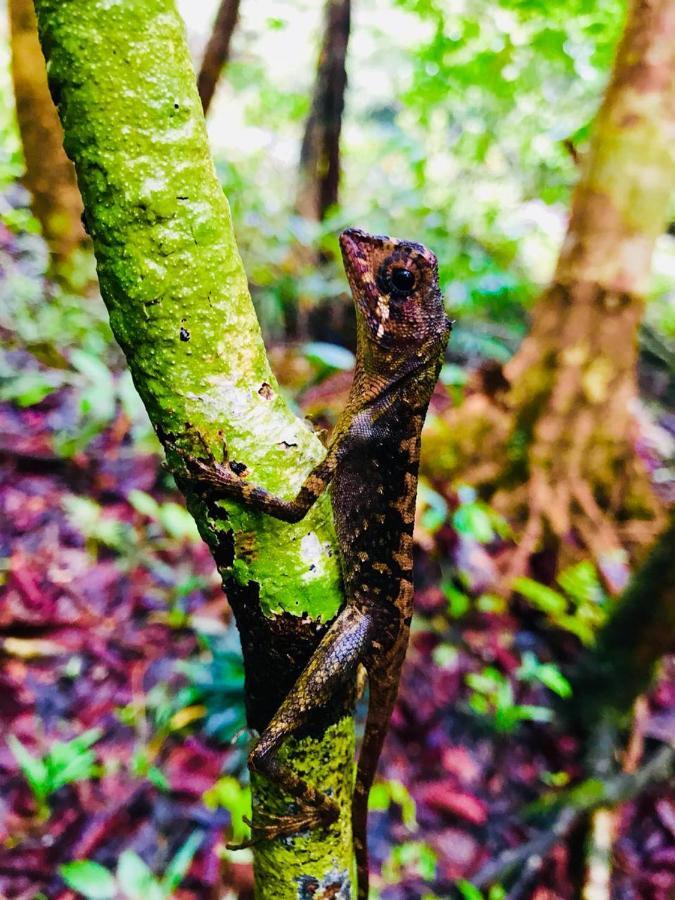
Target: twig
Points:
(572, 806)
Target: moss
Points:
(174, 284)
(288, 867)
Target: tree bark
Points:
(555, 451)
(319, 175)
(175, 287)
(50, 176)
(217, 51)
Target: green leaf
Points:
(473, 520)
(89, 878)
(379, 798)
(78, 768)
(232, 796)
(543, 597)
(581, 582)
(453, 375)
(436, 512)
(552, 678)
(180, 864)
(143, 503)
(158, 778)
(426, 865)
(529, 713)
(34, 769)
(330, 357)
(135, 877)
(547, 674)
(458, 602)
(28, 388)
(178, 522)
(468, 891)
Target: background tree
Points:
(217, 51)
(50, 176)
(554, 449)
(319, 171)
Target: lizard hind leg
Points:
(333, 663)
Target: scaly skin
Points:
(371, 470)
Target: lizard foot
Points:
(205, 469)
(269, 827)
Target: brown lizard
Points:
(371, 469)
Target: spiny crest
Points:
(395, 288)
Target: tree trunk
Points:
(50, 176)
(555, 451)
(319, 174)
(177, 294)
(640, 631)
(217, 51)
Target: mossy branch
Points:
(175, 287)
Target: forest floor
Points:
(112, 618)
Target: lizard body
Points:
(370, 469)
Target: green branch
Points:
(175, 287)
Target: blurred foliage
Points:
(228, 793)
(580, 609)
(216, 682)
(133, 879)
(64, 763)
(461, 126)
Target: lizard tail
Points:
(380, 706)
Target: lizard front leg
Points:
(333, 663)
(222, 481)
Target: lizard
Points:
(371, 471)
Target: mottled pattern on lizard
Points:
(371, 468)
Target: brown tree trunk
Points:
(555, 452)
(320, 153)
(639, 632)
(50, 176)
(217, 51)
(319, 174)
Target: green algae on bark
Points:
(175, 287)
(294, 862)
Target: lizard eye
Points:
(402, 280)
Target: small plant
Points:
(227, 793)
(581, 609)
(216, 685)
(133, 879)
(384, 793)
(476, 519)
(173, 519)
(492, 697)
(409, 858)
(547, 674)
(469, 892)
(64, 763)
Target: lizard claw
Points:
(269, 827)
(204, 469)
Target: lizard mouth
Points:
(352, 244)
(355, 245)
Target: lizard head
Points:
(396, 292)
